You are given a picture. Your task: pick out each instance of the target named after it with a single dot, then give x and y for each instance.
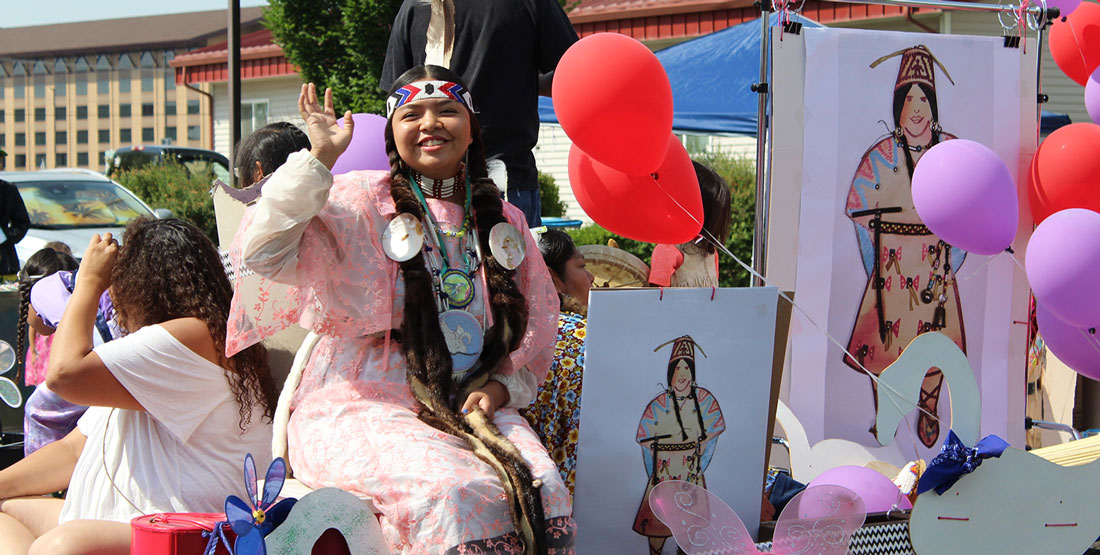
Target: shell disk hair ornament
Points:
(424, 90)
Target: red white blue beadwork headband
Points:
(422, 90)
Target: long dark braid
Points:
(428, 361)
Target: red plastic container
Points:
(175, 533)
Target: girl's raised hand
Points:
(328, 139)
(98, 263)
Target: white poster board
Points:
(623, 379)
(847, 111)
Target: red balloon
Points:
(1075, 42)
(1065, 172)
(612, 97)
(665, 209)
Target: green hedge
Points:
(740, 173)
(550, 200)
(171, 186)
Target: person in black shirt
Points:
(501, 48)
(14, 222)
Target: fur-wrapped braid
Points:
(429, 363)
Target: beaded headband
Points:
(422, 90)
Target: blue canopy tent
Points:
(711, 76)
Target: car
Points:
(71, 205)
(193, 159)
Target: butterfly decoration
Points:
(820, 520)
(9, 391)
(256, 518)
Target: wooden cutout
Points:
(328, 508)
(808, 462)
(899, 386)
(1018, 503)
(779, 356)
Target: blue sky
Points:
(22, 14)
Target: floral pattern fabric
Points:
(556, 412)
(353, 425)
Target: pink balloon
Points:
(965, 194)
(1076, 347)
(878, 492)
(367, 150)
(1063, 261)
(1092, 96)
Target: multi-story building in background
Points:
(71, 92)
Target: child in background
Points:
(33, 334)
(47, 417)
(695, 263)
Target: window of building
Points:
(20, 139)
(124, 62)
(170, 108)
(147, 81)
(125, 135)
(147, 109)
(147, 134)
(169, 72)
(103, 111)
(82, 159)
(123, 110)
(103, 82)
(59, 113)
(40, 87)
(40, 138)
(3, 139)
(194, 133)
(104, 135)
(61, 137)
(20, 115)
(39, 114)
(170, 132)
(60, 84)
(61, 160)
(192, 106)
(253, 116)
(81, 112)
(82, 137)
(81, 80)
(21, 161)
(1, 111)
(40, 161)
(123, 81)
(102, 159)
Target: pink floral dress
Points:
(317, 243)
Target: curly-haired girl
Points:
(171, 416)
(432, 337)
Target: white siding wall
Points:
(281, 94)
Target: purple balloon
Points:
(367, 150)
(1077, 348)
(965, 194)
(1063, 260)
(878, 492)
(1065, 7)
(1092, 96)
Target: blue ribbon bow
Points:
(956, 459)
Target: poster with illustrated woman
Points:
(868, 271)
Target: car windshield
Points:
(76, 204)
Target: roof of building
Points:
(113, 35)
(598, 10)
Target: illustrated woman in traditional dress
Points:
(678, 432)
(911, 286)
(431, 336)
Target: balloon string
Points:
(990, 259)
(896, 395)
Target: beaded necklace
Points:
(438, 188)
(455, 286)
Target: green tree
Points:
(551, 203)
(339, 44)
(171, 186)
